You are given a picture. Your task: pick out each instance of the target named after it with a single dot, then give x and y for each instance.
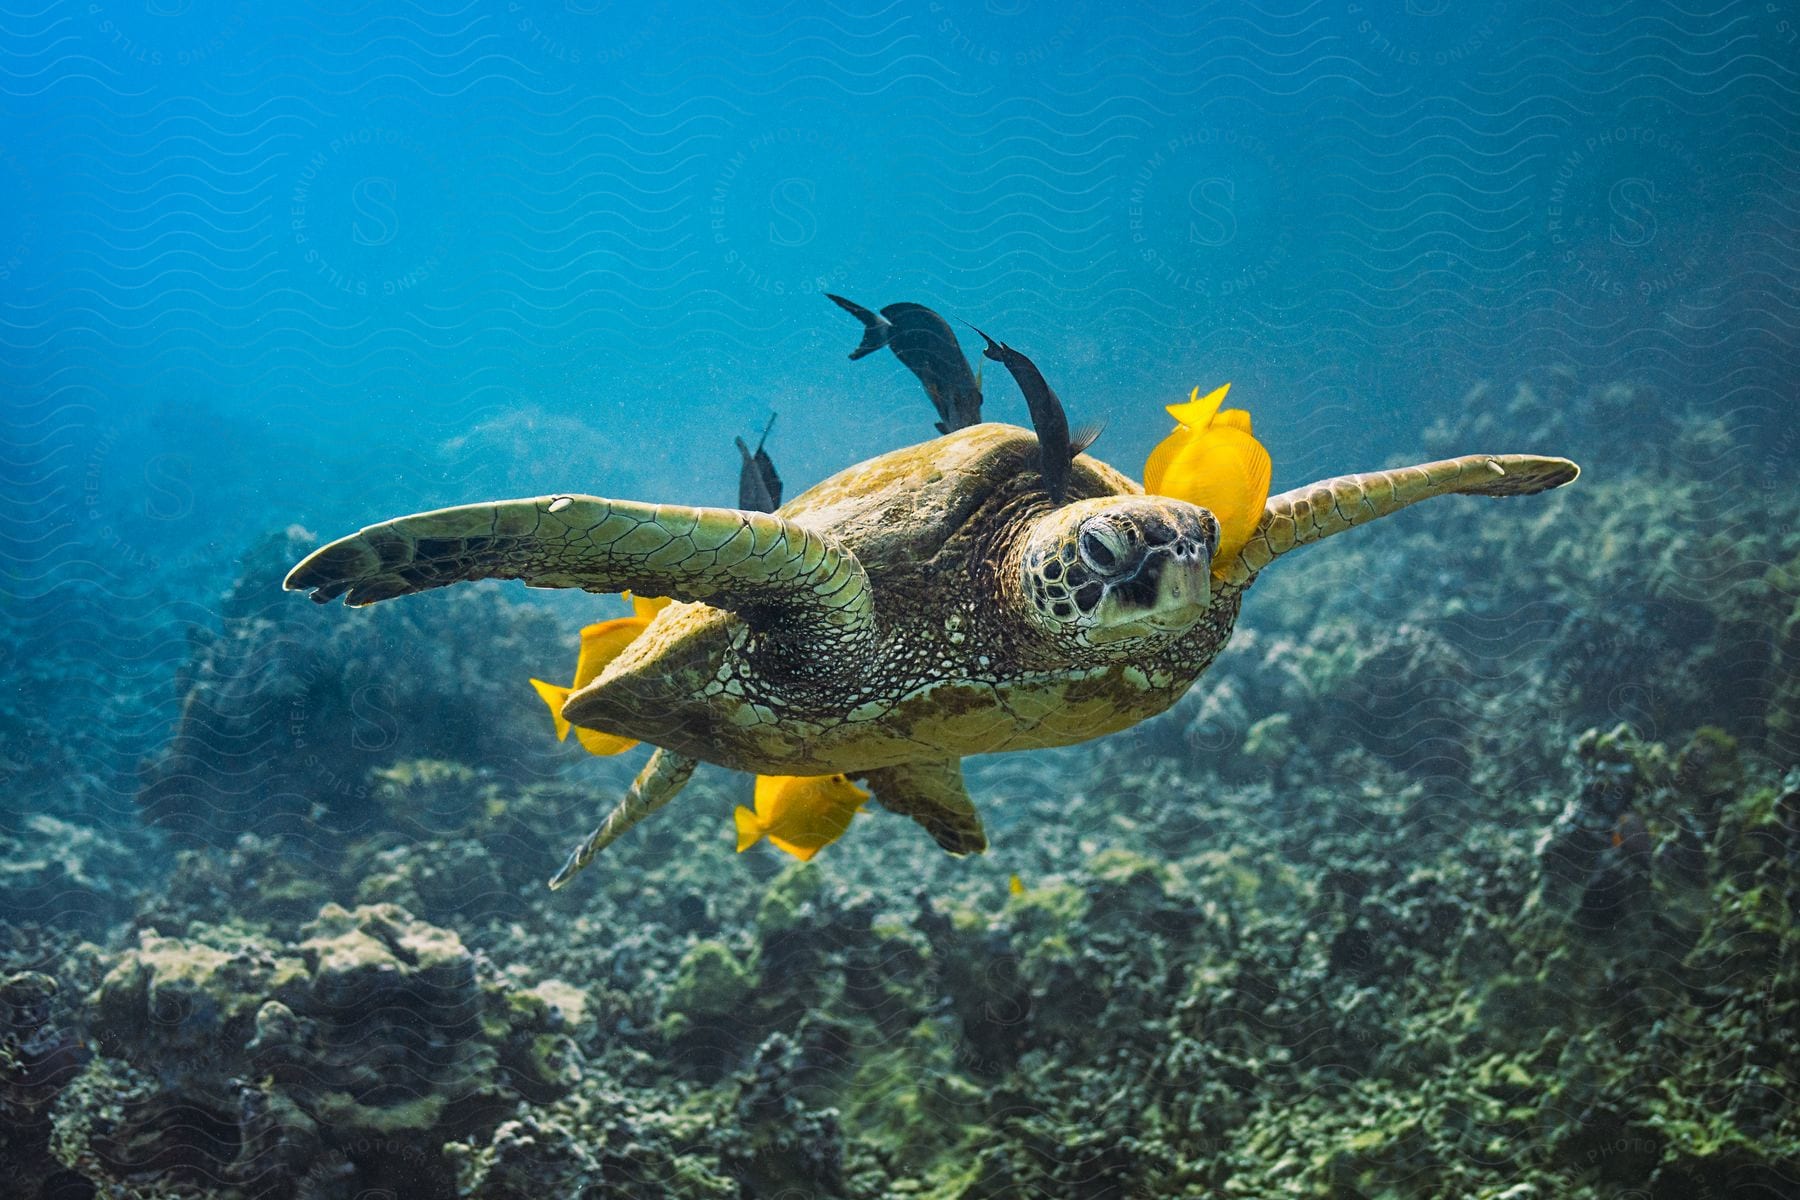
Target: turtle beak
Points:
(1183, 589)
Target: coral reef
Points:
(1470, 869)
(68, 874)
(289, 712)
(39, 1055)
(232, 1062)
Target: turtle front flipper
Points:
(662, 777)
(1318, 510)
(933, 794)
(761, 566)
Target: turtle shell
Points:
(954, 671)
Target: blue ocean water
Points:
(319, 265)
(316, 265)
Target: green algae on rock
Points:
(230, 1058)
(1264, 945)
(284, 716)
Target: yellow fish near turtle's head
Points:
(1213, 460)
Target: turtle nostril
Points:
(1207, 534)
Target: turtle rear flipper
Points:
(933, 794)
(766, 568)
(665, 774)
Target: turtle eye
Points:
(1103, 546)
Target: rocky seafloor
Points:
(1469, 870)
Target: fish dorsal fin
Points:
(646, 607)
(601, 643)
(763, 440)
(759, 487)
(1198, 413)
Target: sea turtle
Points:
(918, 607)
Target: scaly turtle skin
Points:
(918, 607)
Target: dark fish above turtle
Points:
(759, 487)
(1051, 423)
(923, 341)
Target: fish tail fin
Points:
(555, 696)
(875, 326)
(994, 350)
(748, 832)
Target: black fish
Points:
(923, 341)
(1055, 448)
(759, 487)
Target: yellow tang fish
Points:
(600, 644)
(801, 814)
(1213, 460)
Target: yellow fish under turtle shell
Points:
(801, 814)
(600, 644)
(1212, 459)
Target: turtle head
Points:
(1116, 567)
